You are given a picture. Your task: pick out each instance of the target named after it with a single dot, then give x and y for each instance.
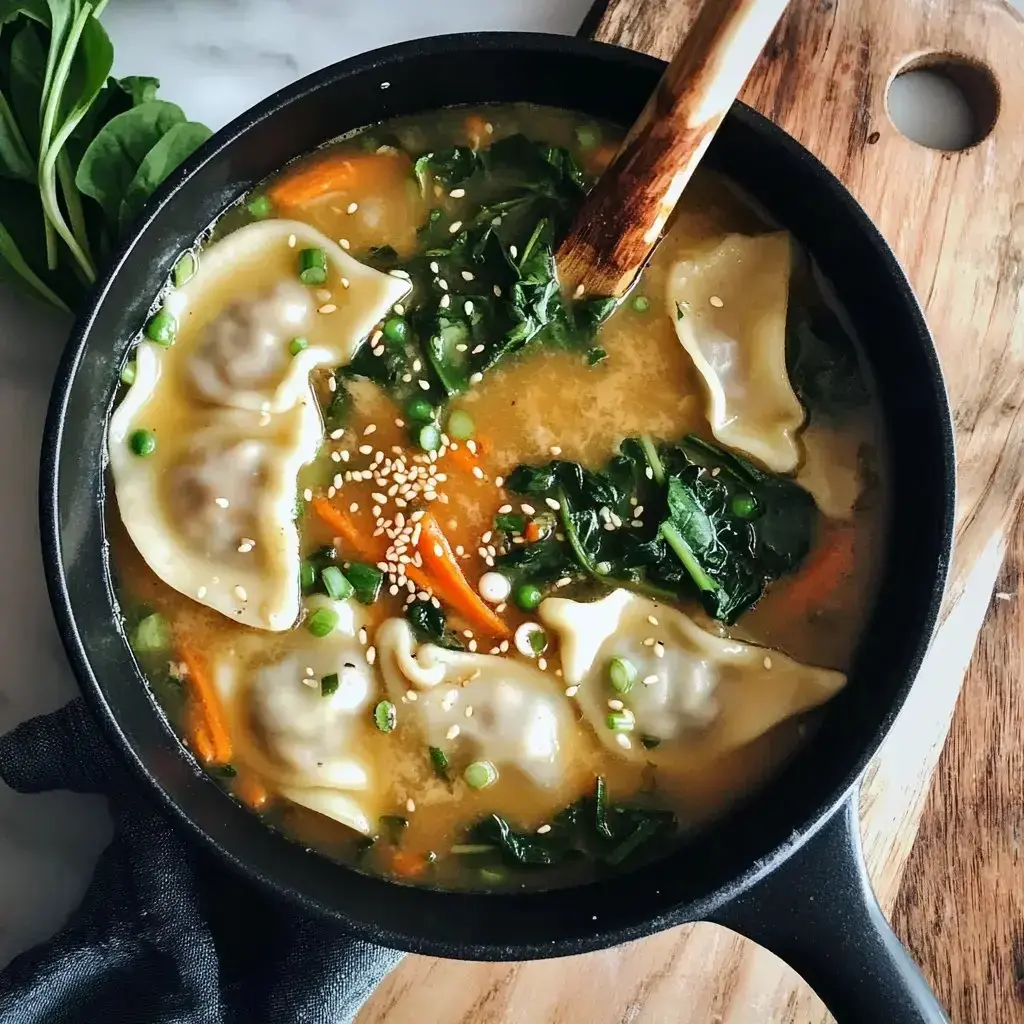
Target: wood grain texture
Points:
(956, 221)
(625, 213)
(961, 905)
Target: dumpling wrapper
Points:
(288, 731)
(189, 508)
(240, 358)
(831, 469)
(520, 717)
(739, 347)
(714, 691)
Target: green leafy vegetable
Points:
(431, 626)
(366, 580)
(80, 152)
(714, 525)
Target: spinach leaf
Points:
(431, 626)
(822, 363)
(110, 163)
(526, 848)
(177, 144)
(447, 167)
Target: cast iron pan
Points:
(785, 868)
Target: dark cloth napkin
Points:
(165, 934)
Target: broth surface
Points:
(537, 404)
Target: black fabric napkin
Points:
(165, 934)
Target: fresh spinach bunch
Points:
(484, 279)
(713, 524)
(80, 151)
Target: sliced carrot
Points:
(208, 730)
(336, 173)
(450, 585)
(408, 865)
(823, 571)
(476, 131)
(251, 791)
(366, 547)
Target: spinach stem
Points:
(73, 202)
(676, 542)
(653, 459)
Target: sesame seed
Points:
(345, 456)
(475, 378)
(471, 645)
(291, 241)
(767, 662)
(623, 740)
(542, 664)
(370, 428)
(345, 282)
(555, 450)
(543, 830)
(652, 620)
(337, 434)
(362, 632)
(468, 307)
(649, 473)
(345, 244)
(649, 641)
(241, 594)
(246, 546)
(716, 302)
(365, 449)
(352, 207)
(410, 805)
(330, 307)
(307, 494)
(649, 680)
(467, 275)
(332, 384)
(563, 582)
(322, 294)
(571, 691)
(504, 509)
(659, 650)
(513, 251)
(469, 711)
(551, 503)
(499, 481)
(425, 385)
(371, 655)
(527, 509)
(497, 291)
(616, 705)
(399, 309)
(478, 473)
(454, 227)
(478, 349)
(201, 593)
(452, 732)
(457, 193)
(222, 502)
(411, 694)
(578, 292)
(434, 268)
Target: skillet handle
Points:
(818, 913)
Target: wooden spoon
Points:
(622, 219)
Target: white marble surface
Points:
(215, 57)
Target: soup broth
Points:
(464, 583)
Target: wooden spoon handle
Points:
(625, 213)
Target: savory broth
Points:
(320, 710)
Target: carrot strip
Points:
(408, 865)
(334, 173)
(825, 569)
(532, 533)
(250, 791)
(208, 729)
(363, 545)
(450, 584)
(476, 131)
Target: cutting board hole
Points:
(943, 101)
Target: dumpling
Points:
(728, 304)
(239, 356)
(519, 717)
(212, 510)
(291, 733)
(690, 688)
(831, 469)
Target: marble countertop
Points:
(215, 58)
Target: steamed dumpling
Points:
(728, 304)
(831, 470)
(700, 689)
(291, 733)
(212, 511)
(520, 719)
(238, 356)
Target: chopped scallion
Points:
(461, 425)
(366, 581)
(329, 684)
(184, 269)
(510, 522)
(469, 849)
(429, 437)
(162, 327)
(440, 761)
(385, 716)
(335, 583)
(601, 807)
(621, 674)
(312, 266)
(260, 207)
(641, 303)
(152, 634)
(538, 641)
(297, 345)
(128, 373)
(480, 774)
(620, 721)
(322, 622)
(307, 575)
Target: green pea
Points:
(396, 330)
(297, 345)
(322, 622)
(162, 328)
(527, 596)
(621, 674)
(429, 437)
(419, 409)
(461, 425)
(743, 505)
(641, 303)
(260, 207)
(480, 774)
(142, 442)
(184, 269)
(128, 373)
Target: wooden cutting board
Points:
(956, 221)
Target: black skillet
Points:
(785, 868)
